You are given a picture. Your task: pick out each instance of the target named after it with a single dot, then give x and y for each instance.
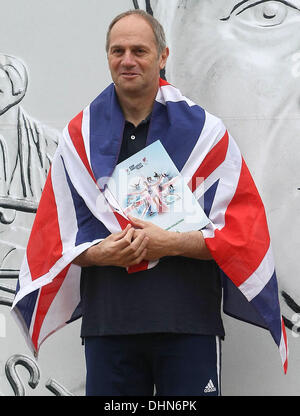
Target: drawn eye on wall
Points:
(264, 13)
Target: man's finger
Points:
(139, 259)
(137, 222)
(142, 247)
(130, 249)
(121, 234)
(125, 240)
(139, 244)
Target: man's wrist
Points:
(188, 244)
(90, 257)
(174, 243)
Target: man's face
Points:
(133, 58)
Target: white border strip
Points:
(258, 280)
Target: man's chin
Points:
(129, 86)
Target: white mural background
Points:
(238, 59)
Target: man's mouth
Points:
(129, 74)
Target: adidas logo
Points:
(210, 387)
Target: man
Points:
(150, 298)
(135, 59)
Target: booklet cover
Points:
(148, 186)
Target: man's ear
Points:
(163, 58)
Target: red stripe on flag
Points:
(285, 365)
(121, 220)
(139, 267)
(47, 295)
(243, 242)
(75, 132)
(44, 246)
(163, 82)
(212, 160)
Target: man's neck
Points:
(136, 108)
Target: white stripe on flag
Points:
(66, 214)
(228, 175)
(169, 93)
(25, 274)
(258, 280)
(283, 349)
(34, 315)
(63, 305)
(213, 131)
(85, 130)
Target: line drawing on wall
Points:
(26, 148)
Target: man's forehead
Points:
(131, 24)
(124, 42)
(132, 29)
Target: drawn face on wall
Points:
(240, 60)
(13, 82)
(246, 48)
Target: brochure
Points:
(148, 186)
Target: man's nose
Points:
(128, 59)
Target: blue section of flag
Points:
(89, 227)
(26, 307)
(209, 197)
(267, 303)
(178, 126)
(106, 134)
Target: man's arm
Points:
(163, 243)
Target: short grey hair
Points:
(157, 28)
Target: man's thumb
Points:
(136, 222)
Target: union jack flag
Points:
(74, 214)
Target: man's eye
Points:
(264, 13)
(140, 51)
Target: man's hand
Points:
(169, 243)
(118, 249)
(158, 244)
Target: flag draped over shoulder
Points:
(73, 214)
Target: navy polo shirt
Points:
(179, 295)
